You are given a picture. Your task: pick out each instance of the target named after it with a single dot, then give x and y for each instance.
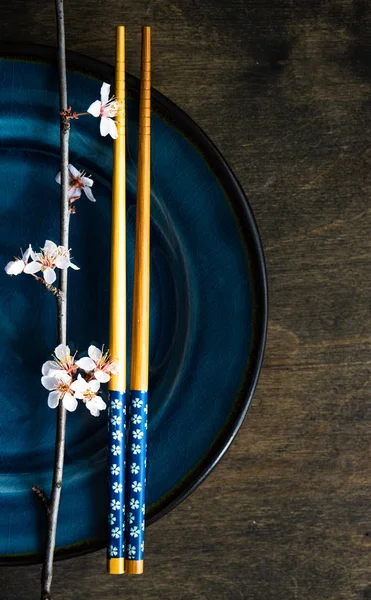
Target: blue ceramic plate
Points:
(208, 301)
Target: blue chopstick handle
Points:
(136, 475)
(116, 473)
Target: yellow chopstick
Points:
(140, 333)
(117, 383)
(137, 429)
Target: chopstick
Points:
(137, 424)
(117, 383)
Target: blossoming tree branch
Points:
(68, 379)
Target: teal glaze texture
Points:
(201, 305)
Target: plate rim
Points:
(245, 221)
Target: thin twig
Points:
(68, 114)
(47, 571)
(51, 288)
(42, 497)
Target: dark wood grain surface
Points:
(284, 90)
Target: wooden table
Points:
(284, 90)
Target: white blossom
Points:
(60, 389)
(49, 257)
(87, 392)
(17, 266)
(78, 182)
(62, 366)
(102, 365)
(96, 405)
(105, 108)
